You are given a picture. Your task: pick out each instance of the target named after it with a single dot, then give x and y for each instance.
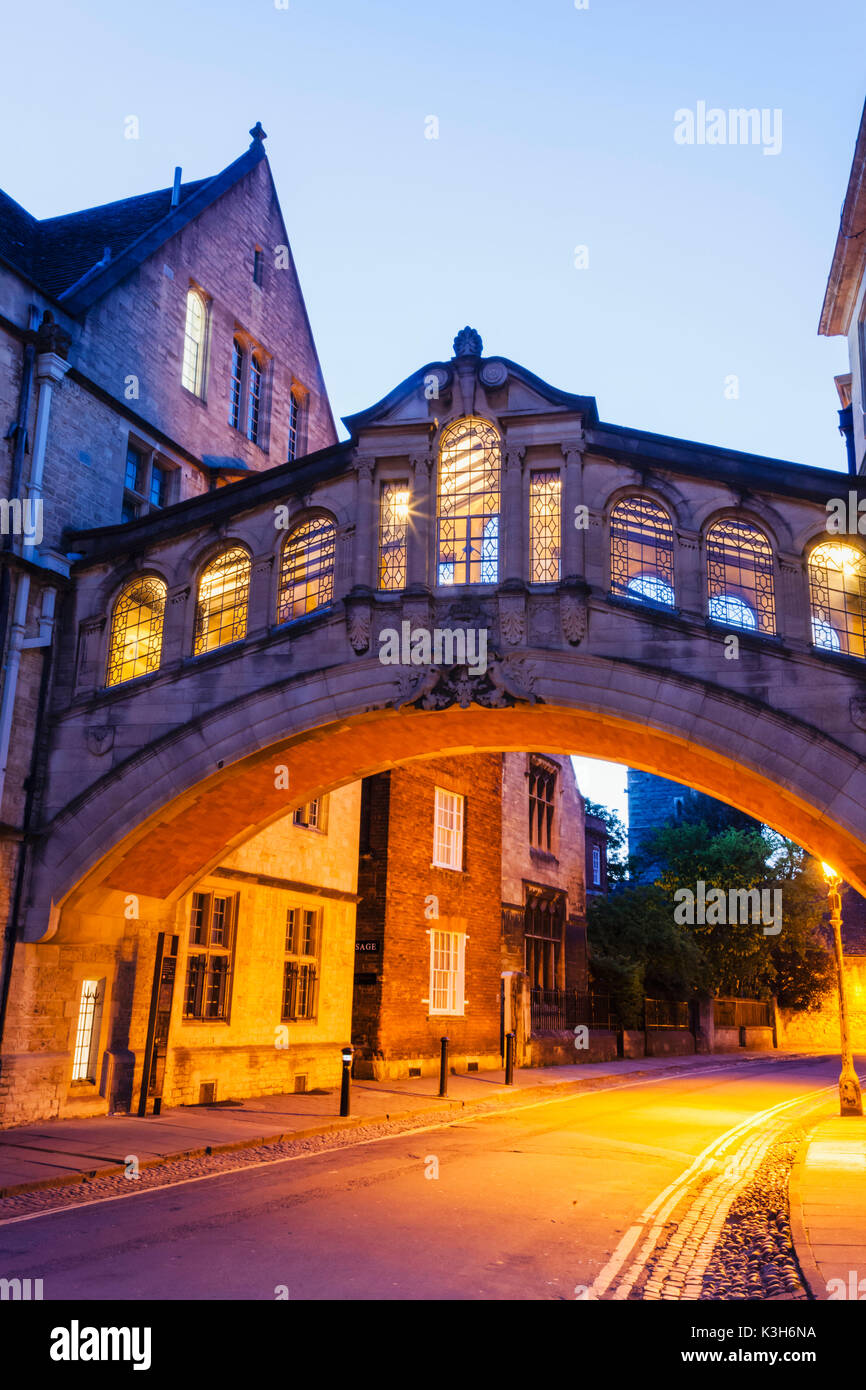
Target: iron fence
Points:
(743, 1013)
(666, 1013)
(561, 1010)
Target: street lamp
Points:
(850, 1101)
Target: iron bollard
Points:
(509, 1059)
(345, 1083)
(443, 1067)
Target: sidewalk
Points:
(62, 1151)
(828, 1208)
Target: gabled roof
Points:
(849, 256)
(65, 257)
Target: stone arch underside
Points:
(158, 822)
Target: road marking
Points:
(405, 1134)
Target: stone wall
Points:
(819, 1028)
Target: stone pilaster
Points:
(573, 537)
(513, 560)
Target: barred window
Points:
(545, 526)
(86, 1049)
(542, 800)
(212, 932)
(135, 643)
(254, 399)
(307, 569)
(837, 585)
(301, 969)
(393, 528)
(192, 372)
(544, 938)
(448, 830)
(447, 972)
(469, 504)
(223, 594)
(237, 385)
(642, 551)
(740, 576)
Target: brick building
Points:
(471, 910)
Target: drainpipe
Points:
(846, 429)
(18, 432)
(50, 371)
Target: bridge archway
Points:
(161, 819)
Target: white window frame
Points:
(88, 1026)
(197, 387)
(448, 830)
(596, 865)
(454, 973)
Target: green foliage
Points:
(617, 840)
(637, 950)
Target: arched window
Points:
(642, 551)
(221, 610)
(237, 385)
(837, 585)
(136, 631)
(254, 398)
(192, 374)
(307, 569)
(468, 504)
(740, 576)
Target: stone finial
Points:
(468, 343)
(258, 133)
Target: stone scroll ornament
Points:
(507, 681)
(358, 622)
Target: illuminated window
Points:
(212, 930)
(237, 385)
(469, 504)
(136, 631)
(393, 528)
(301, 969)
(448, 830)
(447, 972)
(642, 551)
(86, 1050)
(221, 610)
(542, 800)
(307, 569)
(837, 584)
(254, 399)
(545, 526)
(192, 374)
(740, 576)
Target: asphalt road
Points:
(530, 1204)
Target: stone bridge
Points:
(673, 606)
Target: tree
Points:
(617, 840)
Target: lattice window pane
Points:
(740, 576)
(223, 595)
(83, 1056)
(545, 526)
(837, 584)
(136, 631)
(307, 569)
(642, 551)
(393, 531)
(254, 399)
(237, 385)
(469, 504)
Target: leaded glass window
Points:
(469, 504)
(393, 528)
(837, 585)
(545, 526)
(307, 569)
(223, 594)
(136, 631)
(642, 551)
(740, 576)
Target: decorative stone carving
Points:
(543, 621)
(512, 617)
(468, 343)
(507, 681)
(857, 708)
(573, 613)
(494, 374)
(364, 466)
(688, 540)
(178, 596)
(514, 458)
(358, 621)
(100, 739)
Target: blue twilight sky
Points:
(555, 130)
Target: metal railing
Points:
(666, 1013)
(561, 1010)
(743, 1013)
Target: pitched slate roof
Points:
(65, 256)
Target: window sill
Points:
(451, 868)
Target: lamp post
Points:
(850, 1101)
